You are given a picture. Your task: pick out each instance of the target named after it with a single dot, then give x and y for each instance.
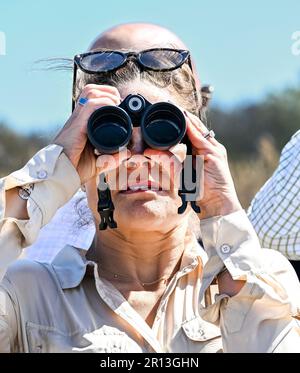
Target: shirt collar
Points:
(70, 264)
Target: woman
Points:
(142, 287)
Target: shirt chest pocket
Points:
(47, 339)
(201, 336)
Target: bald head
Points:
(139, 36)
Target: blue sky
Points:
(242, 47)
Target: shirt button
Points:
(42, 174)
(225, 249)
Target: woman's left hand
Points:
(219, 196)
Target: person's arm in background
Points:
(275, 210)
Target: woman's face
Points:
(136, 207)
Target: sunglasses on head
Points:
(155, 59)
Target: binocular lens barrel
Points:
(110, 128)
(163, 126)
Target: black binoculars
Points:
(110, 127)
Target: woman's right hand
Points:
(73, 136)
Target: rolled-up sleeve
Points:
(262, 316)
(54, 181)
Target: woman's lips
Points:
(138, 191)
(142, 187)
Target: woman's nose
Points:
(137, 147)
(137, 144)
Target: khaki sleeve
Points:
(54, 181)
(260, 318)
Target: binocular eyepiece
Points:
(110, 127)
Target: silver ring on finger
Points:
(209, 134)
(83, 101)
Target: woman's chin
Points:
(146, 215)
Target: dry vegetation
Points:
(250, 174)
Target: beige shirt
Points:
(59, 307)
